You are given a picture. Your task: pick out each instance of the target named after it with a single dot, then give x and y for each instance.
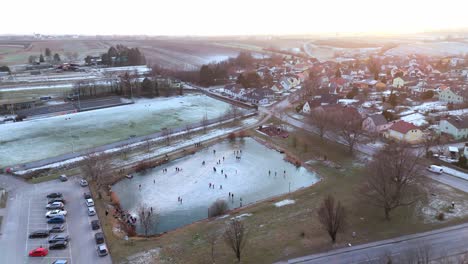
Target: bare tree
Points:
(148, 218)
(212, 238)
(219, 207)
(348, 129)
(321, 120)
(205, 122)
(188, 130)
(392, 179)
(167, 134)
(125, 150)
(235, 237)
(430, 140)
(148, 144)
(332, 216)
(232, 112)
(96, 168)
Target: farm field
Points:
(42, 138)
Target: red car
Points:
(39, 252)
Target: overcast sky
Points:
(233, 17)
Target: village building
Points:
(449, 96)
(376, 123)
(456, 126)
(404, 132)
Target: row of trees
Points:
(48, 57)
(121, 55)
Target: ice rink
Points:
(247, 178)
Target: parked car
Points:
(87, 196)
(59, 219)
(39, 234)
(89, 202)
(56, 212)
(58, 199)
(95, 225)
(102, 250)
(59, 245)
(55, 205)
(39, 252)
(91, 211)
(56, 238)
(57, 229)
(60, 261)
(99, 237)
(63, 178)
(54, 195)
(83, 183)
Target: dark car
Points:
(57, 229)
(59, 219)
(59, 245)
(95, 225)
(87, 196)
(54, 195)
(39, 234)
(99, 237)
(58, 199)
(56, 238)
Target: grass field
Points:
(276, 233)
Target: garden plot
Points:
(247, 178)
(39, 139)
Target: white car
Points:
(53, 213)
(91, 211)
(89, 202)
(83, 183)
(55, 205)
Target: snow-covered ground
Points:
(246, 178)
(284, 202)
(442, 48)
(415, 119)
(42, 138)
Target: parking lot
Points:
(26, 213)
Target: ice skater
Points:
(214, 169)
(154, 181)
(222, 171)
(139, 186)
(269, 172)
(209, 185)
(223, 158)
(203, 163)
(214, 151)
(220, 187)
(225, 176)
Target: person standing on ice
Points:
(225, 176)
(214, 151)
(203, 163)
(220, 187)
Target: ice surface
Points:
(42, 138)
(247, 178)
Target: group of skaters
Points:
(276, 173)
(125, 216)
(179, 199)
(212, 186)
(198, 144)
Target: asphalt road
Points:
(438, 244)
(25, 212)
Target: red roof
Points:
(403, 127)
(338, 81)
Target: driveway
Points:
(25, 213)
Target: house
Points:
(324, 99)
(376, 123)
(456, 126)
(404, 132)
(449, 96)
(398, 82)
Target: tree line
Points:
(121, 55)
(48, 57)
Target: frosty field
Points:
(42, 138)
(247, 178)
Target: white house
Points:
(398, 82)
(449, 96)
(456, 126)
(375, 123)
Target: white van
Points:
(436, 169)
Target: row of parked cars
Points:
(56, 215)
(99, 236)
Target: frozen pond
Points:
(42, 138)
(247, 178)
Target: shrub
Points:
(242, 134)
(232, 136)
(218, 208)
(143, 166)
(440, 216)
